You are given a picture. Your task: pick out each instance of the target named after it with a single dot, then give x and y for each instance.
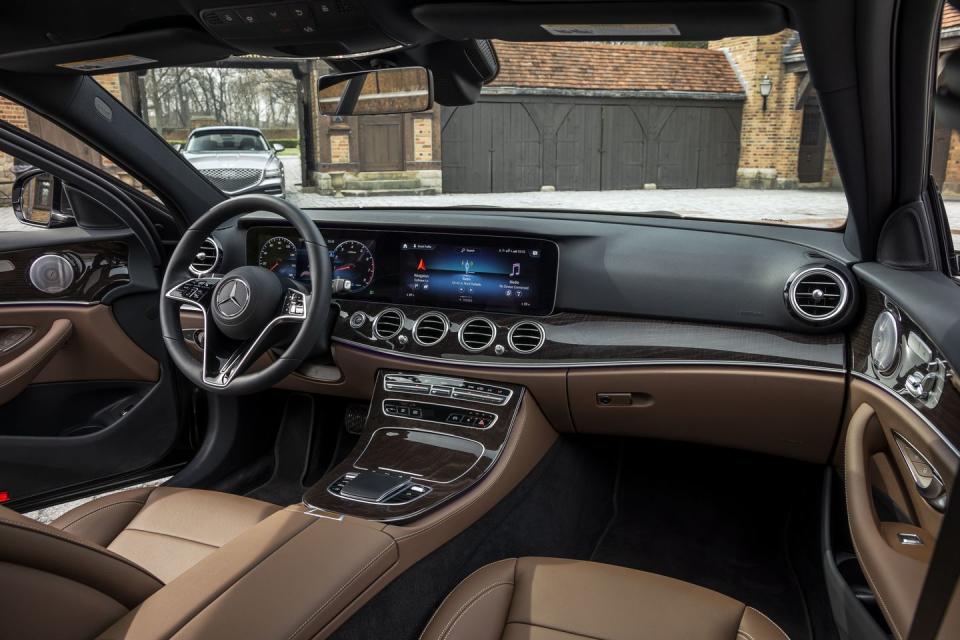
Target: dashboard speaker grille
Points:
(818, 294)
(430, 329)
(476, 334)
(525, 337)
(388, 324)
(207, 258)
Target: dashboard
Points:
(448, 271)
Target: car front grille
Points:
(233, 180)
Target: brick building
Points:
(20, 117)
(783, 142)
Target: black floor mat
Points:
(717, 518)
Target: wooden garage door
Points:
(502, 145)
(490, 147)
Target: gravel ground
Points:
(811, 208)
(48, 515)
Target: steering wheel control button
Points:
(295, 303)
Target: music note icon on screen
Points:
(516, 269)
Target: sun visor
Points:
(602, 20)
(162, 47)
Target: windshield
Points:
(225, 140)
(728, 129)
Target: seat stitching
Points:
(782, 632)
(55, 533)
(340, 590)
(741, 632)
(467, 605)
(473, 573)
(169, 535)
(106, 506)
(564, 631)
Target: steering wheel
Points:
(248, 310)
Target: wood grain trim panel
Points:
(104, 267)
(574, 339)
(944, 415)
(98, 349)
(447, 473)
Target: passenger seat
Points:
(552, 599)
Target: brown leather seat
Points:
(551, 599)
(105, 557)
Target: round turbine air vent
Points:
(817, 294)
(387, 324)
(430, 329)
(476, 334)
(525, 337)
(207, 258)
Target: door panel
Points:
(898, 460)
(98, 348)
(894, 567)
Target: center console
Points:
(435, 454)
(427, 439)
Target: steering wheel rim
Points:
(230, 379)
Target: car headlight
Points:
(274, 170)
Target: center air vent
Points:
(388, 324)
(207, 258)
(430, 329)
(476, 334)
(818, 294)
(525, 337)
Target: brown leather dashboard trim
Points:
(794, 414)
(98, 349)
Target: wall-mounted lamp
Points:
(766, 85)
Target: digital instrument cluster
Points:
(488, 273)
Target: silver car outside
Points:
(236, 160)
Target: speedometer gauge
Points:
(353, 261)
(279, 254)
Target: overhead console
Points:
(323, 29)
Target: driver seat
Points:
(103, 558)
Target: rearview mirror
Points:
(278, 147)
(38, 200)
(400, 90)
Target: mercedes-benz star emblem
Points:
(233, 298)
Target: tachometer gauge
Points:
(353, 261)
(279, 254)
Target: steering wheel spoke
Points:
(220, 368)
(248, 310)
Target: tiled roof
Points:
(951, 17)
(608, 66)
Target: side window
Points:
(40, 196)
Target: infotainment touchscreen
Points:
(503, 274)
(456, 271)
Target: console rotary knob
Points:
(52, 273)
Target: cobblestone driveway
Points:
(812, 208)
